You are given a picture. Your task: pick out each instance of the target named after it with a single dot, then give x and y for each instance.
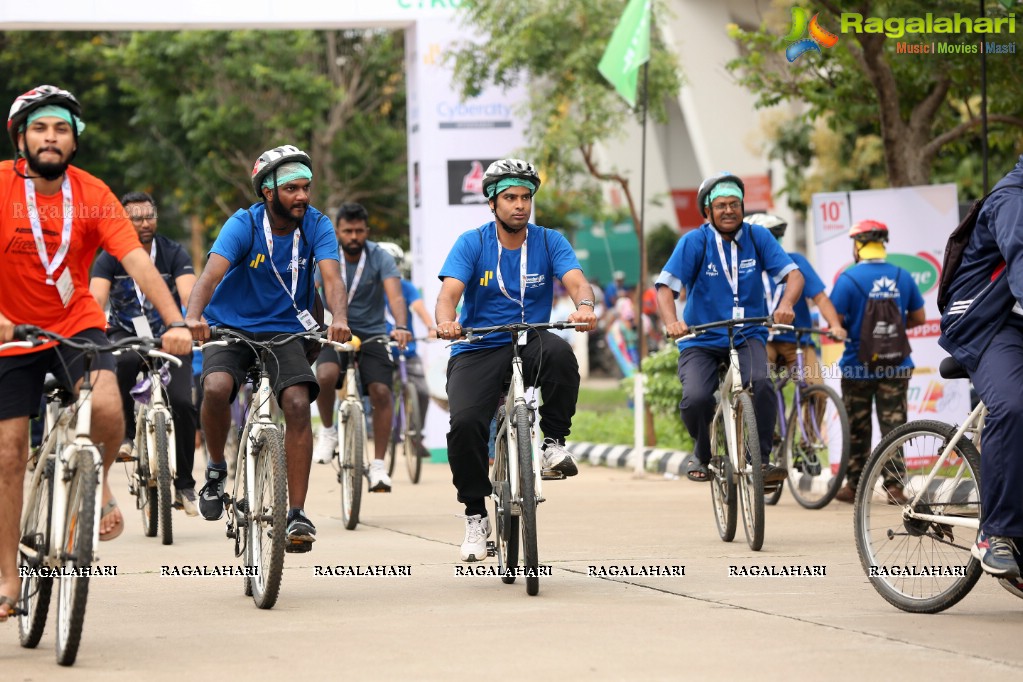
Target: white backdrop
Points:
(919, 220)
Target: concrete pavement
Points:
(435, 625)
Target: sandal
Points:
(698, 472)
(8, 608)
(116, 531)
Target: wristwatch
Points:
(180, 324)
(585, 301)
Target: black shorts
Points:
(287, 366)
(375, 364)
(22, 376)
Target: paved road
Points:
(434, 625)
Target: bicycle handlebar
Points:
(34, 336)
(735, 322)
(803, 331)
(474, 333)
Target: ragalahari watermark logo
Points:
(801, 25)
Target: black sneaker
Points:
(300, 528)
(211, 497)
(774, 474)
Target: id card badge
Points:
(307, 321)
(142, 328)
(522, 337)
(738, 312)
(65, 287)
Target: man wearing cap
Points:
(719, 267)
(53, 217)
(259, 281)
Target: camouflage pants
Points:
(859, 396)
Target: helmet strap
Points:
(504, 226)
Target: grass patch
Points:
(604, 416)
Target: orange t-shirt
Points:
(99, 221)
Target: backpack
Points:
(883, 339)
(956, 246)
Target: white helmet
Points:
(397, 253)
(510, 168)
(271, 159)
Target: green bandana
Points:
(502, 185)
(293, 170)
(724, 189)
(58, 112)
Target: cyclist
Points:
(54, 216)
(132, 314)
(415, 303)
(259, 281)
(482, 265)
(722, 283)
(782, 345)
(369, 273)
(982, 328)
(861, 387)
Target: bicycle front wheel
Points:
(413, 433)
(507, 523)
(147, 495)
(772, 493)
(723, 496)
(163, 476)
(391, 453)
(34, 545)
(751, 478)
(818, 447)
(527, 501)
(268, 518)
(918, 565)
(352, 464)
(76, 548)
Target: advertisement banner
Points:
(919, 220)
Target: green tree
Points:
(913, 109)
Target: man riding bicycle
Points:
(259, 281)
(54, 216)
(132, 314)
(370, 273)
(725, 283)
(483, 266)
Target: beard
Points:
(47, 170)
(284, 214)
(352, 248)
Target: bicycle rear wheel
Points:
(397, 428)
(163, 477)
(777, 456)
(818, 447)
(506, 522)
(751, 478)
(77, 548)
(527, 501)
(268, 518)
(352, 464)
(35, 531)
(723, 495)
(891, 543)
(413, 433)
(147, 496)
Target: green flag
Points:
(628, 50)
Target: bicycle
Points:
(258, 504)
(350, 422)
(733, 423)
(911, 554)
(805, 439)
(407, 422)
(155, 458)
(61, 516)
(517, 473)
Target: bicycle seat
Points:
(950, 369)
(52, 387)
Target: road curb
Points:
(654, 459)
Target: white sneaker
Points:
(379, 481)
(556, 457)
(326, 445)
(477, 530)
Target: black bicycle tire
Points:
(839, 478)
(163, 478)
(778, 455)
(147, 495)
(270, 465)
(874, 468)
(752, 499)
(36, 590)
(352, 464)
(723, 493)
(412, 433)
(397, 429)
(506, 522)
(527, 505)
(79, 529)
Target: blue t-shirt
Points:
(473, 261)
(249, 297)
(851, 302)
(411, 294)
(812, 287)
(696, 265)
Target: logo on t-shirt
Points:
(254, 263)
(534, 281)
(485, 279)
(301, 264)
(712, 270)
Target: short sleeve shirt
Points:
(172, 261)
(98, 221)
(250, 297)
(366, 302)
(411, 295)
(696, 265)
(812, 287)
(474, 262)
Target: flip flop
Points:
(695, 471)
(8, 608)
(116, 531)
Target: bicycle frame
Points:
(798, 385)
(515, 397)
(157, 404)
(257, 420)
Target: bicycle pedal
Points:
(491, 548)
(126, 459)
(298, 547)
(551, 475)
